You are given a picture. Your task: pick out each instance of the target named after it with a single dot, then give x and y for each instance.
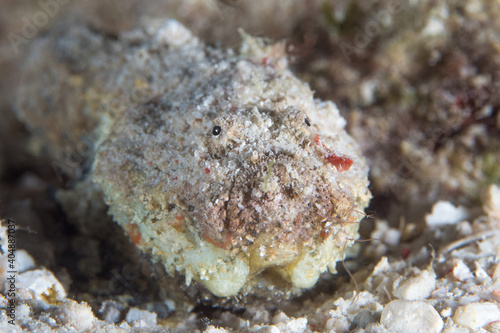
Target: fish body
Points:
(219, 164)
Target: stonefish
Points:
(219, 164)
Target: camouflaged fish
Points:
(219, 164)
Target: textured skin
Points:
(223, 167)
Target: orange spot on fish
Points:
(178, 226)
(135, 233)
(207, 170)
(342, 163)
(324, 234)
(220, 244)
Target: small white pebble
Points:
(41, 281)
(434, 27)
(480, 272)
(23, 312)
(173, 33)
(461, 272)
(444, 213)
(76, 315)
(265, 329)
(213, 329)
(24, 261)
(400, 316)
(125, 326)
(111, 311)
(135, 314)
(280, 318)
(465, 228)
(417, 287)
(170, 304)
(456, 330)
(476, 315)
(337, 325)
(392, 237)
(491, 202)
(367, 89)
(296, 325)
(381, 267)
(446, 312)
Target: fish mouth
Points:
(280, 202)
(277, 224)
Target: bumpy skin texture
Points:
(223, 167)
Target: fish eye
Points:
(216, 130)
(307, 122)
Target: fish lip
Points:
(292, 217)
